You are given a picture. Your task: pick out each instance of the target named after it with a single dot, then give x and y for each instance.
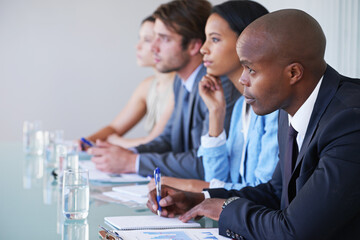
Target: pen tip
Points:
(158, 213)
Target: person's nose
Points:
(155, 45)
(204, 49)
(244, 80)
(138, 46)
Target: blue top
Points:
(261, 151)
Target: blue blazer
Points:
(260, 156)
(324, 186)
(167, 150)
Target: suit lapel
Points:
(192, 98)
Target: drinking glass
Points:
(75, 194)
(66, 156)
(51, 139)
(75, 230)
(33, 137)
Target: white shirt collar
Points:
(301, 118)
(189, 82)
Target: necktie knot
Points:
(292, 131)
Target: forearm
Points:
(216, 121)
(102, 134)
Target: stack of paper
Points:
(147, 222)
(174, 234)
(134, 193)
(96, 175)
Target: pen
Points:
(87, 142)
(157, 176)
(113, 234)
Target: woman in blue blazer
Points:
(249, 156)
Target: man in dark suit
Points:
(315, 191)
(179, 29)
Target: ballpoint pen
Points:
(108, 234)
(87, 142)
(157, 176)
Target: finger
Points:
(152, 200)
(150, 206)
(166, 201)
(97, 151)
(214, 81)
(100, 143)
(192, 213)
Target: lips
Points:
(207, 63)
(249, 100)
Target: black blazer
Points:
(325, 182)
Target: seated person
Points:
(153, 98)
(250, 154)
(179, 28)
(314, 192)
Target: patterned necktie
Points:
(292, 151)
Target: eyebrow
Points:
(214, 33)
(245, 62)
(163, 35)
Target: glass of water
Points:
(33, 137)
(75, 194)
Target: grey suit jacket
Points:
(324, 186)
(166, 151)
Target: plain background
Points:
(71, 63)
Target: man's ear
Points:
(194, 46)
(295, 72)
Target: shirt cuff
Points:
(210, 142)
(215, 183)
(206, 194)
(133, 149)
(137, 163)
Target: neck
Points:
(162, 77)
(190, 67)
(300, 95)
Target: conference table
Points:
(30, 205)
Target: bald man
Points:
(315, 190)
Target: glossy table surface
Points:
(30, 206)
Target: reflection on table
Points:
(31, 200)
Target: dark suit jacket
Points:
(325, 182)
(167, 150)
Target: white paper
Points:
(134, 190)
(147, 222)
(96, 175)
(173, 234)
(126, 197)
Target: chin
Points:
(213, 72)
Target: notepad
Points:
(183, 234)
(98, 176)
(147, 222)
(137, 190)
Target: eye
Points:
(148, 40)
(250, 69)
(165, 38)
(215, 40)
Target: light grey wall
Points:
(72, 63)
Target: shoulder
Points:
(146, 83)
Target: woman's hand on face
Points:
(212, 93)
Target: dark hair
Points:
(239, 14)
(185, 17)
(148, 19)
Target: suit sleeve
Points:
(180, 165)
(327, 202)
